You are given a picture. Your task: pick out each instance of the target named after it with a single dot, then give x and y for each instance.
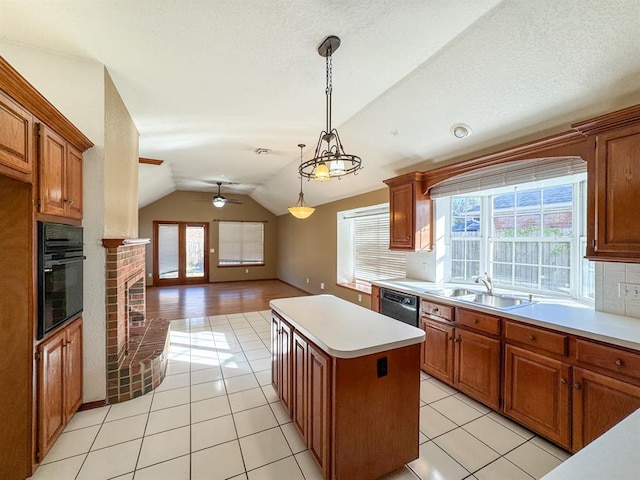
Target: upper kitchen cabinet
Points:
(613, 232)
(15, 140)
(410, 214)
(60, 175)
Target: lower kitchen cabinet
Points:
(281, 359)
(375, 298)
(599, 402)
(537, 393)
(299, 401)
(319, 407)
(59, 383)
(466, 360)
(437, 353)
(477, 367)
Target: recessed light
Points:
(460, 130)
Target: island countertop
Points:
(343, 329)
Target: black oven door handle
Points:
(65, 261)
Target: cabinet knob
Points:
(408, 237)
(451, 338)
(618, 362)
(70, 342)
(531, 337)
(436, 309)
(475, 320)
(563, 380)
(577, 386)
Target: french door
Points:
(180, 253)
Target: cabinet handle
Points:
(577, 386)
(531, 337)
(70, 342)
(619, 362)
(563, 380)
(436, 310)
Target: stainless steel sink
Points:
(458, 292)
(495, 301)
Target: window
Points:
(240, 243)
(363, 248)
(529, 236)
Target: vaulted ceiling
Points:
(209, 82)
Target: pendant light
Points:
(301, 210)
(329, 160)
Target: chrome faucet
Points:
(486, 281)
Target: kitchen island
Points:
(350, 379)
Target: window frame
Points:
(577, 272)
(346, 275)
(242, 262)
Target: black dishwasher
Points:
(400, 306)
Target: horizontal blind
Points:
(240, 243)
(508, 174)
(373, 259)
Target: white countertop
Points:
(564, 315)
(612, 456)
(343, 329)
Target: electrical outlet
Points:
(629, 291)
(246, 270)
(307, 280)
(322, 286)
(149, 275)
(359, 297)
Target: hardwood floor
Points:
(187, 301)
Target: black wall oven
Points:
(60, 278)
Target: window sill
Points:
(244, 265)
(358, 286)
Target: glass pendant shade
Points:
(336, 168)
(218, 202)
(321, 173)
(301, 210)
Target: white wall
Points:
(76, 88)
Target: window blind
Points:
(373, 259)
(508, 174)
(240, 243)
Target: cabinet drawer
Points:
(431, 309)
(536, 337)
(609, 358)
(479, 321)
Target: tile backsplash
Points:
(608, 279)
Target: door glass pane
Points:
(168, 251)
(195, 251)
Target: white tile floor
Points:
(215, 416)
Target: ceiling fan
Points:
(219, 201)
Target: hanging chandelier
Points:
(301, 210)
(329, 160)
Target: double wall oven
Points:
(60, 275)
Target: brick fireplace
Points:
(137, 347)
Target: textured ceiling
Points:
(208, 82)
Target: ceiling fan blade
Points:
(233, 200)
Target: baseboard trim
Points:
(92, 405)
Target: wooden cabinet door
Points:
(319, 384)
(299, 405)
(285, 364)
(537, 393)
(275, 353)
(15, 140)
(51, 401)
(375, 298)
(73, 367)
(402, 216)
(477, 367)
(53, 157)
(73, 183)
(614, 183)
(437, 357)
(599, 402)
